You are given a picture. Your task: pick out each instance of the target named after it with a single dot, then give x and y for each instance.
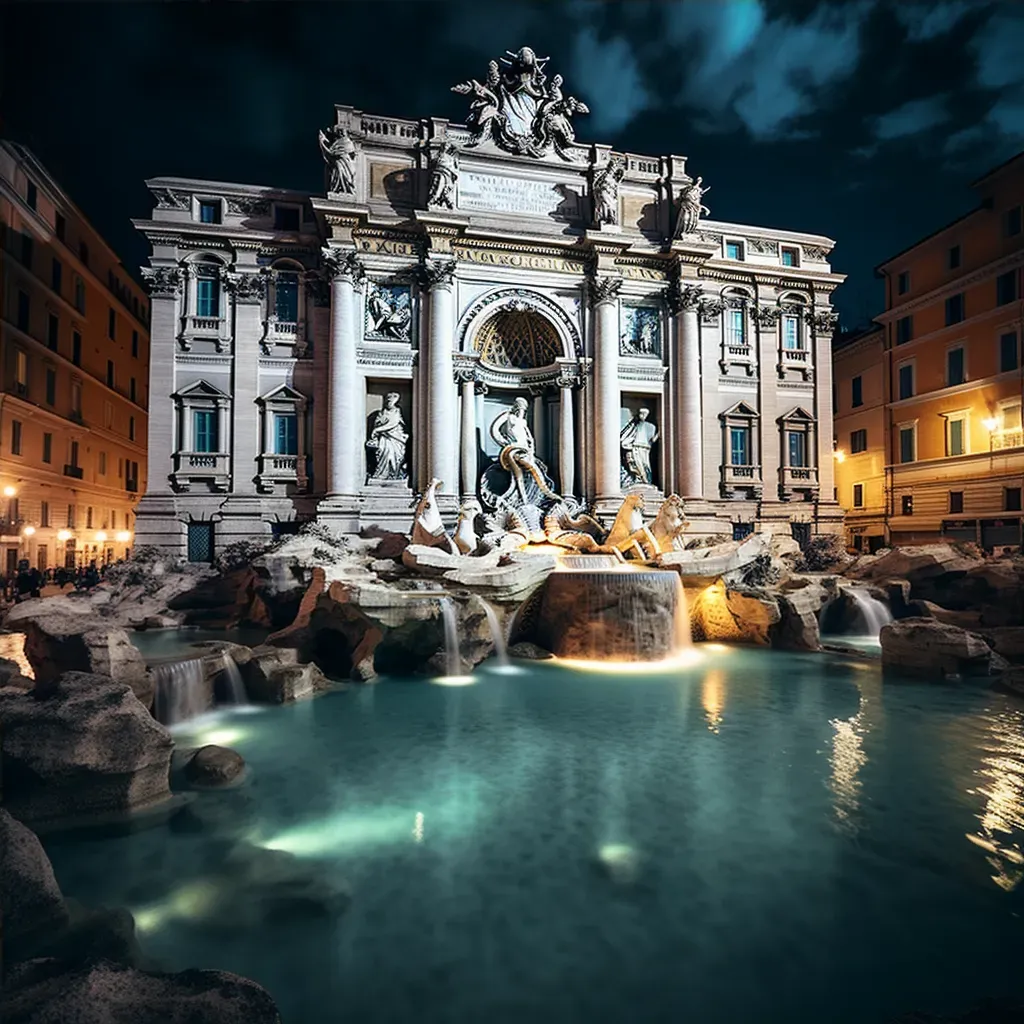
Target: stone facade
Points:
(489, 306)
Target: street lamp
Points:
(29, 530)
(839, 455)
(63, 536)
(101, 537)
(124, 536)
(9, 491)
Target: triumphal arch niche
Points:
(527, 318)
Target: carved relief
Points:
(248, 206)
(388, 312)
(710, 310)
(767, 316)
(248, 287)
(824, 321)
(815, 254)
(171, 199)
(641, 331)
(764, 246)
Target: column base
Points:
(608, 504)
(340, 513)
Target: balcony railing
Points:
(73, 471)
(277, 470)
(1007, 439)
(212, 468)
(284, 327)
(794, 355)
(206, 323)
(744, 478)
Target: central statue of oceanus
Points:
(518, 454)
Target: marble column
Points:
(344, 402)
(689, 449)
(607, 394)
(442, 410)
(469, 442)
(566, 440)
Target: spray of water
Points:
(453, 662)
(181, 691)
(234, 686)
(872, 611)
(497, 635)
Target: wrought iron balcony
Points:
(213, 469)
(1007, 439)
(73, 471)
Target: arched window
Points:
(518, 339)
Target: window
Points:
(24, 312)
(907, 504)
(88, 518)
(956, 440)
(858, 495)
(209, 211)
(204, 430)
(953, 258)
(20, 371)
(734, 328)
(207, 297)
(956, 501)
(734, 250)
(110, 373)
(1006, 288)
(286, 218)
(796, 446)
(903, 282)
(15, 437)
(131, 428)
(79, 294)
(904, 329)
(44, 514)
(286, 297)
(858, 441)
(56, 275)
(856, 392)
(286, 434)
(135, 344)
(47, 447)
(739, 446)
(103, 463)
(906, 379)
(52, 331)
(955, 373)
(76, 397)
(1011, 222)
(1011, 499)
(954, 309)
(112, 325)
(790, 257)
(76, 348)
(791, 332)
(83, 253)
(31, 194)
(908, 444)
(131, 389)
(59, 226)
(1007, 351)
(51, 386)
(27, 250)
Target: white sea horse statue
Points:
(466, 539)
(428, 528)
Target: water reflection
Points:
(847, 759)
(712, 696)
(12, 646)
(1002, 820)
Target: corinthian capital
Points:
(437, 273)
(341, 263)
(683, 297)
(603, 289)
(248, 287)
(824, 321)
(162, 282)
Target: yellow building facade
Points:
(74, 356)
(945, 452)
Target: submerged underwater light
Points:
(684, 659)
(453, 680)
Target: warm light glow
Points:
(123, 536)
(63, 536)
(990, 423)
(9, 491)
(685, 659)
(221, 737)
(29, 530)
(712, 698)
(454, 680)
(101, 536)
(717, 648)
(840, 455)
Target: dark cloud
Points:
(860, 119)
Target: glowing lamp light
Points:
(9, 491)
(63, 536)
(990, 423)
(123, 536)
(101, 536)
(28, 531)
(839, 455)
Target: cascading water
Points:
(854, 614)
(497, 635)
(874, 613)
(182, 691)
(234, 687)
(453, 662)
(681, 622)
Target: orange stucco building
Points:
(938, 386)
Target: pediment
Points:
(740, 410)
(798, 414)
(200, 389)
(282, 393)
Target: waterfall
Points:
(234, 688)
(453, 662)
(854, 613)
(682, 633)
(182, 691)
(874, 613)
(500, 650)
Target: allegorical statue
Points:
(385, 317)
(388, 440)
(636, 439)
(340, 153)
(690, 208)
(606, 192)
(518, 451)
(444, 172)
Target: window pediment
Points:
(200, 389)
(796, 415)
(740, 411)
(283, 393)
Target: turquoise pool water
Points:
(759, 837)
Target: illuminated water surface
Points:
(750, 837)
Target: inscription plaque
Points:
(500, 194)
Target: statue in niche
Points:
(690, 208)
(642, 334)
(339, 151)
(636, 440)
(388, 441)
(444, 173)
(387, 312)
(606, 191)
(518, 451)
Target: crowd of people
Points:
(28, 582)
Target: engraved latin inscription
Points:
(508, 195)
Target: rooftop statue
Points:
(444, 173)
(691, 208)
(606, 192)
(339, 151)
(519, 110)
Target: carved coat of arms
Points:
(520, 109)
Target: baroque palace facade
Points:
(527, 319)
(928, 417)
(74, 337)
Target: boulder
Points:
(214, 766)
(741, 615)
(528, 652)
(930, 610)
(44, 992)
(55, 644)
(915, 564)
(273, 675)
(797, 628)
(11, 675)
(223, 601)
(88, 748)
(936, 649)
(31, 905)
(726, 560)
(1007, 641)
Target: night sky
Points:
(863, 120)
